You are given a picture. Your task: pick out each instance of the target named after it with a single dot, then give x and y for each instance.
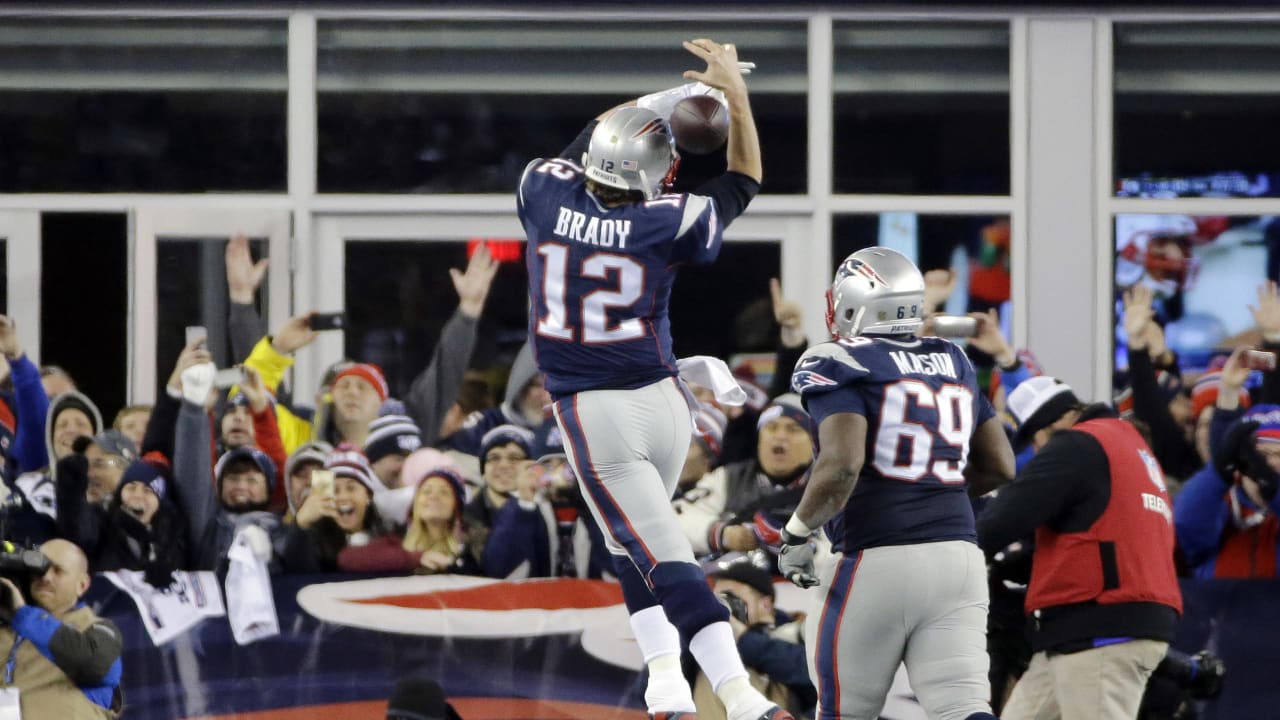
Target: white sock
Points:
(717, 654)
(659, 643)
(667, 690)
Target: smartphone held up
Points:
(1259, 360)
(320, 322)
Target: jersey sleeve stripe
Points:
(524, 176)
(693, 207)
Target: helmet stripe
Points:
(651, 126)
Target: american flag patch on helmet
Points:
(629, 165)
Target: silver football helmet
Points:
(632, 149)
(876, 291)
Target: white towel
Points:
(250, 605)
(712, 373)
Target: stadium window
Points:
(921, 108)
(461, 107)
(142, 105)
(1196, 110)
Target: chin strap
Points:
(831, 316)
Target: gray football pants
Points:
(628, 447)
(923, 605)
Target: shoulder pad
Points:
(824, 367)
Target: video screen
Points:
(1204, 272)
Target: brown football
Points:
(700, 124)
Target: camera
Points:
(19, 566)
(737, 606)
(1200, 674)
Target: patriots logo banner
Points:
(543, 649)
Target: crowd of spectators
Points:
(357, 481)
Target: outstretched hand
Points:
(296, 333)
(473, 284)
(1138, 313)
(723, 72)
(1267, 312)
(788, 314)
(243, 274)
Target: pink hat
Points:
(368, 372)
(429, 462)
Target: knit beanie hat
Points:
(456, 484)
(391, 434)
(1205, 392)
(788, 405)
(346, 461)
(709, 431)
(368, 372)
(149, 474)
(503, 435)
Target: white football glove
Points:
(664, 101)
(795, 559)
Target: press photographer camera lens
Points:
(737, 606)
(19, 566)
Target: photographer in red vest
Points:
(1103, 596)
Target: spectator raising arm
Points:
(164, 416)
(271, 357)
(244, 276)
(435, 390)
(32, 404)
(192, 466)
(266, 435)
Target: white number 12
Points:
(628, 286)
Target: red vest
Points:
(1127, 554)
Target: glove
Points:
(158, 575)
(795, 561)
(664, 101)
(767, 530)
(258, 541)
(197, 381)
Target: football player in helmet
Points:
(908, 577)
(605, 240)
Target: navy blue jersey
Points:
(922, 405)
(600, 278)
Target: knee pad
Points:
(687, 600)
(635, 591)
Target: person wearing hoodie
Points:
(71, 417)
(736, 507)
(431, 393)
(525, 405)
(433, 540)
(29, 406)
(217, 513)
